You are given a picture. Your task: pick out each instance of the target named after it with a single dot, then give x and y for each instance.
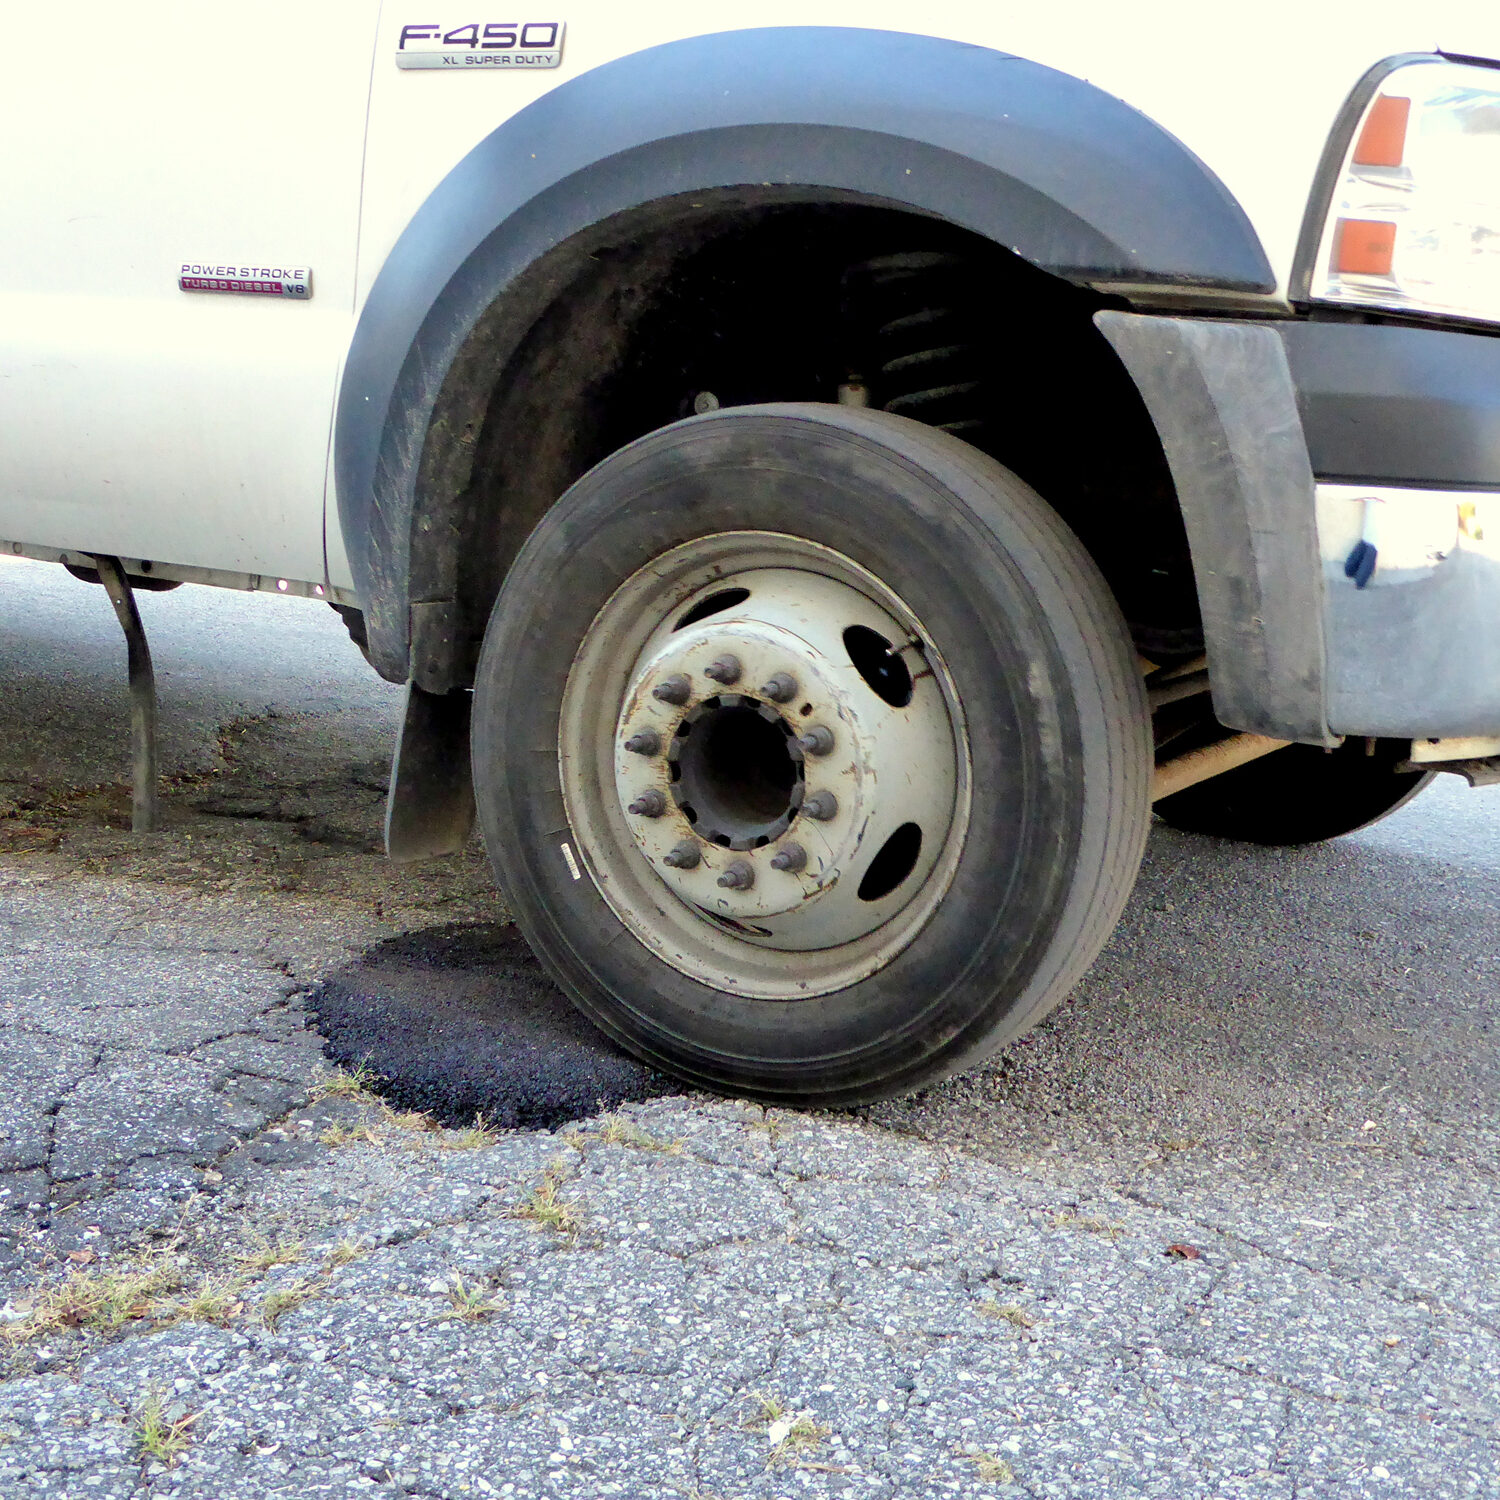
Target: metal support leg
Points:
(145, 815)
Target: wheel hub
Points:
(756, 767)
(736, 771)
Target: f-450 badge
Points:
(481, 44)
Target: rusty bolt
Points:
(738, 876)
(779, 687)
(821, 806)
(650, 804)
(790, 857)
(816, 741)
(674, 689)
(647, 742)
(725, 669)
(686, 856)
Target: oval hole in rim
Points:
(713, 605)
(897, 859)
(885, 673)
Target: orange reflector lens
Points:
(1382, 142)
(1366, 247)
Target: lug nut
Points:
(779, 687)
(738, 876)
(647, 742)
(821, 806)
(674, 689)
(726, 669)
(817, 741)
(790, 857)
(650, 804)
(686, 856)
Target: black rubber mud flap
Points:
(1222, 399)
(430, 807)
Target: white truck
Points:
(823, 472)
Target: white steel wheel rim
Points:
(741, 785)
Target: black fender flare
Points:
(1060, 172)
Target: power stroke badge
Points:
(481, 44)
(268, 280)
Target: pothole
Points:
(460, 1021)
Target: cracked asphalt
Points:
(1224, 1225)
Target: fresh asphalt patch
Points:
(461, 1021)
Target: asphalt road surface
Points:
(219, 1278)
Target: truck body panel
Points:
(147, 421)
(138, 418)
(1155, 157)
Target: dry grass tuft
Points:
(162, 1431)
(616, 1130)
(106, 1302)
(471, 1301)
(1011, 1312)
(801, 1434)
(768, 1124)
(1179, 1143)
(350, 1135)
(341, 1254)
(351, 1083)
(416, 1127)
(279, 1303)
(217, 1300)
(473, 1137)
(790, 1433)
(547, 1208)
(1093, 1223)
(766, 1410)
(989, 1467)
(265, 1255)
(100, 1301)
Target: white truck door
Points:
(136, 417)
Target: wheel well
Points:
(777, 298)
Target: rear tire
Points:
(1020, 752)
(1300, 795)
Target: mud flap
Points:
(1222, 398)
(430, 808)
